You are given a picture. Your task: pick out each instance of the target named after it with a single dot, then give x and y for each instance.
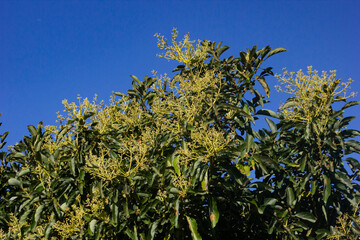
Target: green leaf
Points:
(19, 155)
(301, 224)
(327, 188)
(62, 133)
(313, 187)
(270, 201)
(72, 166)
(272, 125)
(302, 164)
(39, 128)
(175, 165)
(177, 213)
(214, 213)
(92, 226)
(14, 182)
(249, 142)
(339, 99)
(23, 172)
(38, 212)
(289, 103)
(290, 197)
(193, 228)
(265, 161)
(221, 50)
(48, 227)
(135, 79)
(268, 112)
(235, 174)
(265, 50)
(132, 234)
(353, 163)
(308, 131)
(153, 229)
(246, 109)
(292, 236)
(306, 216)
(4, 136)
(323, 208)
(350, 133)
(322, 233)
(37, 217)
(276, 51)
(204, 182)
(355, 226)
(264, 84)
(25, 216)
(272, 226)
(115, 213)
(352, 146)
(120, 94)
(244, 170)
(132, 93)
(350, 104)
(344, 122)
(344, 179)
(32, 130)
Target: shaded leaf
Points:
(267, 112)
(272, 125)
(290, 197)
(214, 213)
(350, 104)
(306, 216)
(327, 188)
(92, 226)
(276, 51)
(193, 228)
(265, 86)
(14, 182)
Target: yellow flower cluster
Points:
(182, 184)
(15, 230)
(73, 223)
(103, 166)
(344, 224)
(129, 159)
(185, 51)
(211, 139)
(80, 110)
(312, 94)
(190, 97)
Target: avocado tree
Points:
(172, 159)
(309, 187)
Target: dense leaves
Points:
(174, 158)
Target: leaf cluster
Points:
(172, 159)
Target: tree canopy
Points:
(178, 157)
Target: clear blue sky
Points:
(52, 50)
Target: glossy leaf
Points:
(306, 216)
(271, 124)
(290, 197)
(14, 182)
(268, 112)
(327, 188)
(92, 226)
(193, 228)
(265, 86)
(214, 213)
(276, 51)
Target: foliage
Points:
(313, 94)
(311, 191)
(172, 159)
